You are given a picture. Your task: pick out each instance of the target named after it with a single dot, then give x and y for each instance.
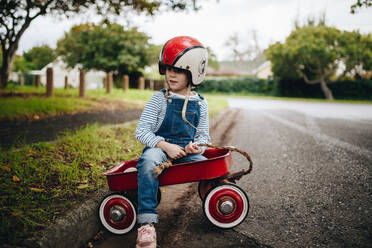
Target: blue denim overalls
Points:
(176, 131)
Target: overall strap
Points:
(165, 92)
(201, 96)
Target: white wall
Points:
(93, 79)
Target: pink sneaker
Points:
(146, 237)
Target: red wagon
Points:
(224, 203)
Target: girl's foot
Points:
(146, 237)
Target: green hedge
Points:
(346, 89)
(244, 85)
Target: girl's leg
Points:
(148, 185)
(190, 158)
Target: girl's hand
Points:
(192, 149)
(172, 150)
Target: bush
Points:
(343, 89)
(352, 89)
(298, 88)
(244, 85)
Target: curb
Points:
(74, 228)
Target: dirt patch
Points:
(20, 94)
(222, 126)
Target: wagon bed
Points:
(225, 204)
(124, 175)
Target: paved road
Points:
(311, 185)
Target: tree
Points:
(154, 52)
(310, 53)
(20, 64)
(108, 47)
(359, 4)
(212, 59)
(244, 49)
(39, 56)
(356, 53)
(314, 53)
(17, 15)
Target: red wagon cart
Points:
(225, 204)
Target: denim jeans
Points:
(148, 185)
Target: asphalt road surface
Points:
(311, 185)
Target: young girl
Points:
(172, 123)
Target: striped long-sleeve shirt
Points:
(154, 113)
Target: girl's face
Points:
(177, 80)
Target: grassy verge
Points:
(34, 107)
(41, 181)
(215, 104)
(30, 102)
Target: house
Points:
(223, 71)
(264, 70)
(93, 78)
(242, 68)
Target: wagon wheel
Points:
(117, 214)
(226, 205)
(203, 188)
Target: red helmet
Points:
(187, 53)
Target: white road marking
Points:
(320, 136)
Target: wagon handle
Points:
(159, 169)
(233, 148)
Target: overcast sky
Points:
(217, 21)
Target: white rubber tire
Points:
(110, 226)
(211, 211)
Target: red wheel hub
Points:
(129, 213)
(226, 196)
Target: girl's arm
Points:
(145, 131)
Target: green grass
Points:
(41, 181)
(25, 108)
(215, 104)
(36, 105)
(131, 94)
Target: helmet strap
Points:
(185, 106)
(189, 87)
(166, 88)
